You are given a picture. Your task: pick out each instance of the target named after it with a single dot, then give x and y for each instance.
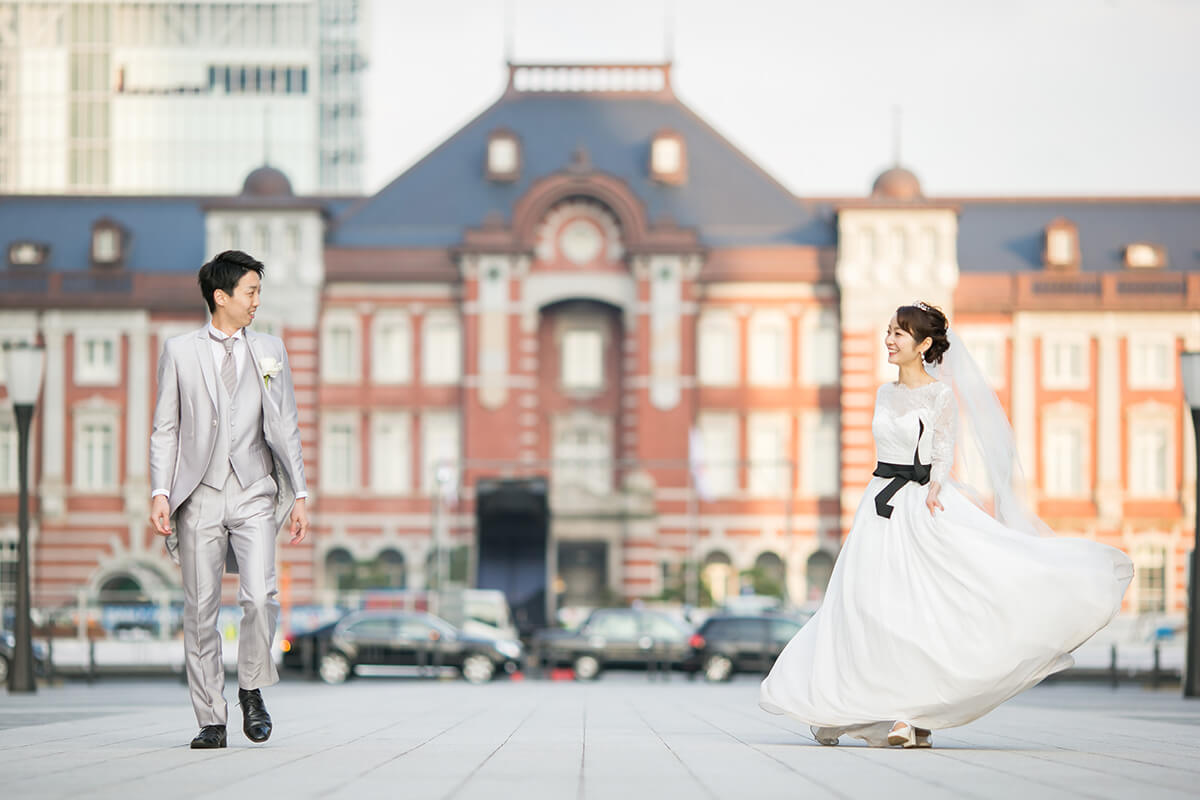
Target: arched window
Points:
(339, 569)
(121, 590)
(390, 570)
(770, 575)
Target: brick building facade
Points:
(585, 347)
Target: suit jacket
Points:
(185, 422)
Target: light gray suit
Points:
(232, 464)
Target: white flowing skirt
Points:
(936, 620)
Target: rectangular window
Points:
(1149, 460)
(768, 445)
(582, 360)
(988, 352)
(441, 353)
(583, 453)
(719, 443)
(339, 454)
(8, 571)
(95, 455)
(1064, 460)
(822, 352)
(1151, 362)
(439, 446)
(1064, 363)
(262, 241)
(339, 349)
(391, 454)
(96, 359)
(820, 453)
(768, 350)
(1150, 569)
(716, 353)
(292, 240)
(9, 481)
(391, 350)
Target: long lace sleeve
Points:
(943, 422)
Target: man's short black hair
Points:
(224, 272)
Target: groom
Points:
(226, 470)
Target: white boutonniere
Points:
(269, 367)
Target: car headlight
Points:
(509, 649)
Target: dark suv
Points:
(728, 644)
(614, 638)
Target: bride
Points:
(937, 612)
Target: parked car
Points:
(398, 640)
(614, 638)
(730, 643)
(41, 666)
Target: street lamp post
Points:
(1191, 389)
(24, 370)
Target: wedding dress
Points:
(936, 619)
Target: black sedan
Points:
(728, 644)
(614, 638)
(397, 641)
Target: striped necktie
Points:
(228, 366)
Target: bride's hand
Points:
(931, 500)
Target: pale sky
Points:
(998, 97)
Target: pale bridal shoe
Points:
(902, 735)
(824, 735)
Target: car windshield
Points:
(439, 624)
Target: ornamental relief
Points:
(579, 234)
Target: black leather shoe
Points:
(210, 737)
(256, 722)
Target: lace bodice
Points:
(898, 413)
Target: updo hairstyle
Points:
(924, 321)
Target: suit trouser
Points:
(209, 522)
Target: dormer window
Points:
(503, 156)
(1143, 255)
(668, 158)
(107, 243)
(28, 254)
(1062, 245)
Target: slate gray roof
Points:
(1005, 235)
(166, 233)
(727, 198)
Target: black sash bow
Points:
(900, 475)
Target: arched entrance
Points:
(718, 576)
(817, 571)
(769, 575)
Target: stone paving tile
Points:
(623, 738)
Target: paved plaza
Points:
(621, 737)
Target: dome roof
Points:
(266, 181)
(896, 183)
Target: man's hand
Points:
(299, 521)
(931, 500)
(160, 515)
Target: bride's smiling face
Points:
(901, 346)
